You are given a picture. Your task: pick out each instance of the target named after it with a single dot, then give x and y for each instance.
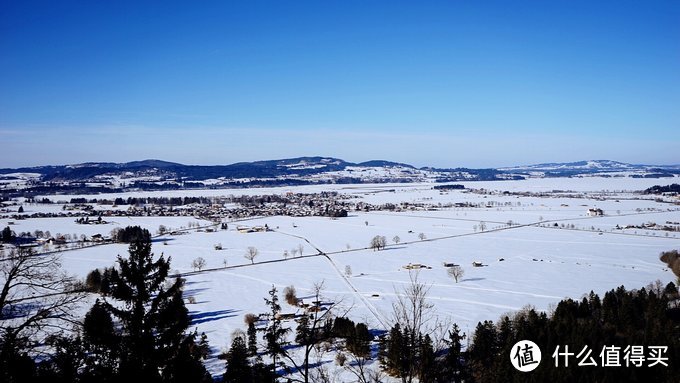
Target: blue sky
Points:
(441, 83)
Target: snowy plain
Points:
(536, 259)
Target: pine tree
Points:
(7, 235)
(426, 360)
(275, 333)
(252, 339)
(505, 341)
(101, 343)
(186, 365)
(303, 335)
(407, 358)
(483, 351)
(360, 344)
(393, 349)
(16, 365)
(93, 282)
(66, 360)
(153, 317)
(238, 366)
(453, 367)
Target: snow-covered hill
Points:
(155, 174)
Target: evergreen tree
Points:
(252, 339)
(16, 366)
(671, 290)
(93, 282)
(393, 349)
(7, 235)
(153, 317)
(483, 351)
(66, 362)
(303, 334)
(101, 343)
(382, 350)
(109, 274)
(238, 366)
(505, 341)
(360, 344)
(186, 365)
(275, 333)
(453, 368)
(426, 360)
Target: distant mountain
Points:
(591, 167)
(155, 174)
(580, 165)
(383, 163)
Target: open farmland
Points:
(535, 243)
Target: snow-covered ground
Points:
(528, 262)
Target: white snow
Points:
(541, 265)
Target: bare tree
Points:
(36, 295)
(482, 226)
(348, 270)
(198, 263)
(250, 318)
(238, 333)
(300, 249)
(456, 272)
(396, 239)
(672, 259)
(286, 254)
(422, 236)
(378, 242)
(293, 252)
(411, 309)
(251, 253)
(359, 367)
(162, 229)
(415, 314)
(290, 295)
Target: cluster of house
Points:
(669, 226)
(308, 308)
(88, 221)
(416, 266)
(59, 240)
(252, 229)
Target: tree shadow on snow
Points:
(209, 316)
(193, 292)
(392, 248)
(472, 279)
(161, 239)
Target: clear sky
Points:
(440, 83)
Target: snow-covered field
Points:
(538, 259)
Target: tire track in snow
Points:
(378, 316)
(458, 286)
